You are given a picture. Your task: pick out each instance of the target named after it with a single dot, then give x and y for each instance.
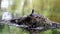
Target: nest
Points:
(34, 21)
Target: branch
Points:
(41, 28)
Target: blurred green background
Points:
(48, 8)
